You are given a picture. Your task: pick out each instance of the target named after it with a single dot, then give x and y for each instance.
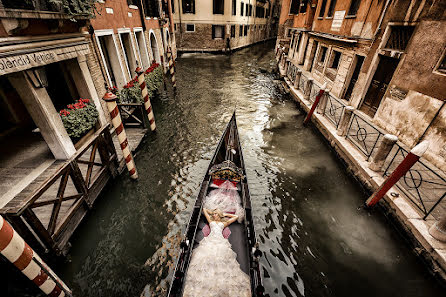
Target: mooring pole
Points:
(145, 96)
(19, 253)
(316, 102)
(112, 107)
(171, 67)
(412, 157)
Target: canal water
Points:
(317, 241)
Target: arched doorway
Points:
(154, 47)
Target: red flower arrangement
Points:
(64, 112)
(152, 67)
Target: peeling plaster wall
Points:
(436, 135)
(408, 118)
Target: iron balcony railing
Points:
(423, 184)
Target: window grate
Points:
(399, 37)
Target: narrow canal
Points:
(317, 242)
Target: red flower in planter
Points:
(64, 112)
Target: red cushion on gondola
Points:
(218, 182)
(207, 230)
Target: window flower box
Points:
(79, 118)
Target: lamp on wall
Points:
(38, 77)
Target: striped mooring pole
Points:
(112, 106)
(316, 102)
(19, 253)
(412, 157)
(145, 95)
(171, 67)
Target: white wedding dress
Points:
(214, 270)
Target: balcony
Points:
(45, 9)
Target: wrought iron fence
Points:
(363, 135)
(334, 109)
(423, 184)
(302, 82)
(314, 91)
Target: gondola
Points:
(226, 164)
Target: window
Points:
(219, 7)
(151, 8)
(232, 31)
(190, 27)
(399, 37)
(142, 47)
(218, 31)
(260, 12)
(267, 13)
(129, 52)
(294, 7)
(331, 8)
(322, 10)
(240, 32)
(173, 6)
(303, 6)
(241, 8)
(441, 66)
(188, 6)
(322, 55)
(245, 30)
(247, 9)
(334, 60)
(354, 5)
(250, 10)
(234, 7)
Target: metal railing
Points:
(333, 109)
(302, 82)
(423, 184)
(364, 135)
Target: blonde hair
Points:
(220, 214)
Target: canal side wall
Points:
(432, 251)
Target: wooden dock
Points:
(47, 211)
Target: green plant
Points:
(76, 7)
(79, 118)
(131, 93)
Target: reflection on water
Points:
(316, 240)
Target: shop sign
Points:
(14, 63)
(338, 18)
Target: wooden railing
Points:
(49, 214)
(133, 114)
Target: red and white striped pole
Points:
(145, 95)
(19, 253)
(171, 67)
(112, 107)
(412, 157)
(316, 102)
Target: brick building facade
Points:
(381, 57)
(222, 25)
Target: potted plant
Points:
(79, 119)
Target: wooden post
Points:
(19, 253)
(316, 102)
(145, 95)
(411, 158)
(382, 152)
(112, 107)
(171, 67)
(345, 120)
(438, 230)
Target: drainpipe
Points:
(380, 19)
(141, 15)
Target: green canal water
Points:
(316, 239)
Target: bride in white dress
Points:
(214, 270)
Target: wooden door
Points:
(379, 84)
(354, 79)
